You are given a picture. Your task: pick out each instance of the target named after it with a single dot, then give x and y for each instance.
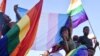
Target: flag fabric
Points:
(3, 6)
(80, 51)
(48, 30)
(77, 13)
(22, 11)
(19, 39)
(53, 22)
(50, 23)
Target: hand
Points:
(15, 7)
(46, 53)
(97, 44)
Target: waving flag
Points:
(80, 51)
(77, 13)
(19, 39)
(75, 10)
(3, 6)
(50, 23)
(22, 11)
(48, 30)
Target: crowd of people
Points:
(68, 44)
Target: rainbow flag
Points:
(3, 6)
(20, 38)
(48, 29)
(80, 51)
(22, 11)
(77, 13)
(54, 22)
(50, 23)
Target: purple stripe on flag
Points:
(80, 18)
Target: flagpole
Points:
(93, 33)
(91, 28)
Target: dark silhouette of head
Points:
(86, 30)
(65, 32)
(6, 18)
(75, 38)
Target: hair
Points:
(85, 27)
(6, 18)
(75, 37)
(63, 29)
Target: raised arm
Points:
(70, 25)
(96, 44)
(16, 12)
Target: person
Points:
(67, 43)
(56, 48)
(7, 25)
(1, 22)
(84, 40)
(56, 54)
(18, 17)
(65, 32)
(46, 53)
(75, 39)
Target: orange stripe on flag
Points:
(3, 6)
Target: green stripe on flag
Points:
(76, 10)
(13, 38)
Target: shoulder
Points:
(72, 43)
(12, 24)
(81, 37)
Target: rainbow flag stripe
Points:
(20, 38)
(77, 13)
